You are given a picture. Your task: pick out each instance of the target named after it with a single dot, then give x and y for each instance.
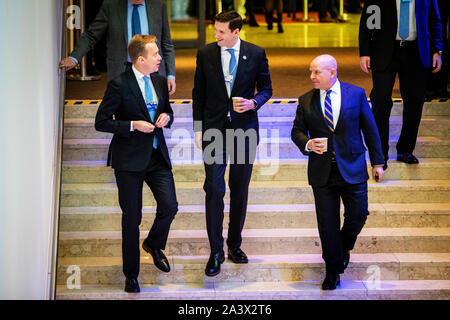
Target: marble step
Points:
(270, 148)
(262, 242)
(285, 290)
(261, 268)
(437, 126)
(263, 192)
(382, 215)
(93, 171)
(268, 110)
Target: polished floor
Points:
(289, 55)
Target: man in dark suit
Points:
(339, 112)
(410, 48)
(121, 20)
(228, 68)
(136, 108)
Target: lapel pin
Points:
(244, 57)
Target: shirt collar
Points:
(336, 88)
(138, 74)
(236, 46)
(131, 4)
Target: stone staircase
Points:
(402, 253)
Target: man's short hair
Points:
(138, 46)
(232, 17)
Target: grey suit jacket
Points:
(112, 20)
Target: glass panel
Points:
(183, 19)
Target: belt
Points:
(405, 43)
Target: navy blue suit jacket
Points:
(379, 43)
(123, 102)
(355, 118)
(210, 98)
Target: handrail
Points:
(58, 160)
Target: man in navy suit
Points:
(339, 112)
(401, 37)
(228, 68)
(135, 108)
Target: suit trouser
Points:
(239, 179)
(412, 77)
(159, 178)
(327, 5)
(335, 241)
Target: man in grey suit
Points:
(121, 20)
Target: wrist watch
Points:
(255, 105)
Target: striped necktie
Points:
(151, 106)
(329, 112)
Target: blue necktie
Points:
(151, 106)
(232, 67)
(135, 21)
(403, 30)
(329, 112)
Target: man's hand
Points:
(316, 145)
(364, 62)
(143, 126)
(163, 120)
(172, 86)
(243, 105)
(437, 62)
(198, 140)
(67, 64)
(377, 173)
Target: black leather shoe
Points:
(237, 255)
(159, 259)
(332, 280)
(346, 259)
(214, 262)
(408, 158)
(132, 285)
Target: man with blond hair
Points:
(135, 108)
(338, 113)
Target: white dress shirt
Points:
(141, 82)
(226, 57)
(335, 97)
(412, 20)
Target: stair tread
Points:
(188, 119)
(86, 142)
(431, 184)
(309, 289)
(293, 162)
(263, 233)
(390, 208)
(264, 260)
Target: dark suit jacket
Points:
(379, 44)
(131, 151)
(112, 20)
(355, 117)
(210, 99)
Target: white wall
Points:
(29, 89)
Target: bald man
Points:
(337, 112)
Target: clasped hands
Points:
(147, 127)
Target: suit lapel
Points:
(317, 108)
(148, 7)
(134, 87)
(158, 89)
(219, 69)
(122, 15)
(344, 96)
(242, 64)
